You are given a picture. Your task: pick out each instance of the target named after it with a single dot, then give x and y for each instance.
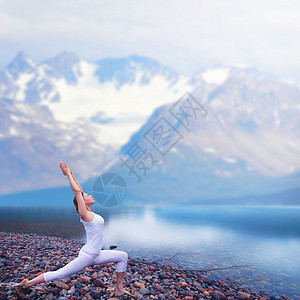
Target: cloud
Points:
(186, 35)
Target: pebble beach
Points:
(29, 255)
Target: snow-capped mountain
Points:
(117, 93)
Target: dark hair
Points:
(76, 204)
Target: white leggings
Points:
(86, 259)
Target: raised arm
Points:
(76, 188)
(77, 182)
(73, 182)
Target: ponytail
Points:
(76, 204)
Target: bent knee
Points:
(124, 255)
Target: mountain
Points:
(245, 143)
(117, 93)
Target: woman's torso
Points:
(94, 234)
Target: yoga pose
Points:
(90, 253)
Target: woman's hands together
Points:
(65, 169)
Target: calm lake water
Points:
(268, 238)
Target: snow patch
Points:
(217, 76)
(9, 75)
(24, 108)
(19, 119)
(129, 107)
(46, 125)
(41, 70)
(51, 95)
(30, 62)
(68, 137)
(22, 84)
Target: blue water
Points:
(263, 241)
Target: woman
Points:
(90, 253)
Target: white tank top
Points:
(94, 234)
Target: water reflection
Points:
(150, 230)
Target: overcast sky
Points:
(185, 35)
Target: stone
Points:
(110, 289)
(64, 286)
(183, 284)
(99, 282)
(106, 274)
(208, 280)
(90, 270)
(49, 297)
(138, 284)
(163, 275)
(84, 279)
(82, 291)
(214, 296)
(221, 295)
(95, 294)
(244, 295)
(222, 283)
(143, 291)
(157, 287)
(246, 290)
(41, 289)
(188, 293)
(78, 284)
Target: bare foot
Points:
(121, 292)
(20, 287)
(23, 283)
